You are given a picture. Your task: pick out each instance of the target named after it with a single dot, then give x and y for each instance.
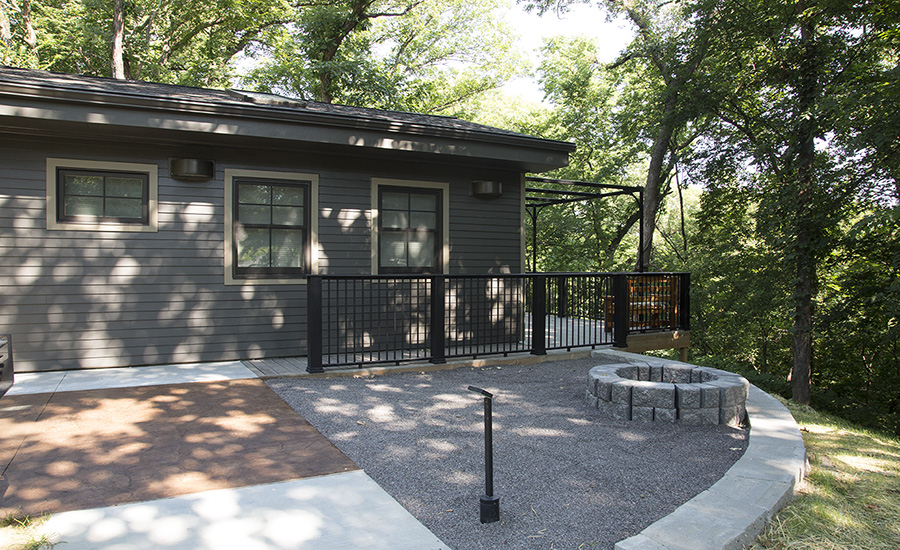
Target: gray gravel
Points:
(566, 478)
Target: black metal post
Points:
(314, 324)
(685, 302)
(7, 369)
(490, 504)
(641, 266)
(534, 218)
(620, 310)
(539, 315)
(437, 319)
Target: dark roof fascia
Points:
(272, 113)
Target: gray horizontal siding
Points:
(485, 233)
(344, 223)
(81, 299)
(85, 299)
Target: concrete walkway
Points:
(349, 510)
(329, 512)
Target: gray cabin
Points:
(147, 224)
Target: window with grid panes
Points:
(409, 233)
(101, 196)
(271, 228)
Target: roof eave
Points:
(555, 153)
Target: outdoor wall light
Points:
(192, 169)
(487, 189)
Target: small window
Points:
(88, 195)
(94, 196)
(271, 228)
(409, 230)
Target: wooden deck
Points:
(282, 366)
(637, 343)
(562, 333)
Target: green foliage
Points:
(598, 234)
(738, 284)
(859, 374)
(586, 97)
(741, 306)
(794, 243)
(422, 56)
(171, 41)
(786, 114)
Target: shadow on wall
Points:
(94, 299)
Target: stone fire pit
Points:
(667, 391)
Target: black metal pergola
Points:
(569, 191)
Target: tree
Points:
(418, 55)
(673, 39)
(672, 42)
(325, 48)
(587, 101)
(174, 41)
(738, 284)
(861, 316)
(783, 63)
(118, 53)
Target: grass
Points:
(20, 532)
(851, 497)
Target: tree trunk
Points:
(804, 226)
(5, 35)
(802, 329)
(621, 232)
(118, 63)
(30, 36)
(653, 187)
(326, 80)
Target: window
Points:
(411, 228)
(97, 196)
(103, 196)
(271, 226)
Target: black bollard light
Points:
(490, 504)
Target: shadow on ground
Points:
(566, 478)
(86, 449)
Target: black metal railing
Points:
(363, 319)
(6, 363)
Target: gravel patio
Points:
(566, 478)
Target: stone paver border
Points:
(733, 512)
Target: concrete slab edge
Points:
(455, 363)
(735, 510)
(330, 512)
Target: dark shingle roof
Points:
(266, 105)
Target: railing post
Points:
(562, 296)
(620, 310)
(684, 307)
(438, 330)
(314, 323)
(539, 315)
(7, 369)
